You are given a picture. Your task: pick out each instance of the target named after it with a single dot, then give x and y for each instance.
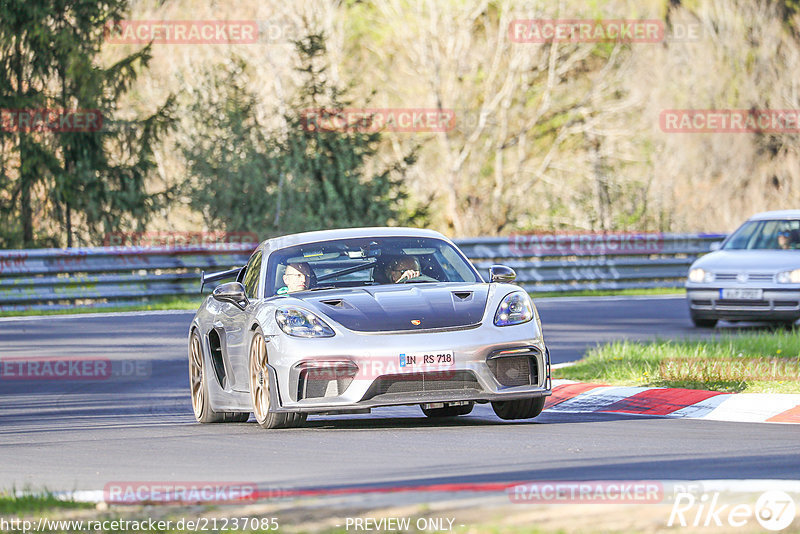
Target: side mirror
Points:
(232, 292)
(501, 273)
(715, 246)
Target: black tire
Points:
(261, 385)
(198, 383)
(519, 409)
(704, 323)
(449, 411)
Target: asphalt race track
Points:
(137, 424)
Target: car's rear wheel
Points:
(260, 389)
(449, 411)
(519, 409)
(198, 382)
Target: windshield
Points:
(364, 262)
(765, 235)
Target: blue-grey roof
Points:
(778, 214)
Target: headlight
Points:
(700, 276)
(788, 277)
(516, 308)
(301, 323)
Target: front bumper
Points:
(355, 371)
(775, 304)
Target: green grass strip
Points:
(765, 362)
(14, 503)
(610, 292)
(168, 303)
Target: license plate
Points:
(741, 294)
(427, 360)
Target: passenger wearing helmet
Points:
(297, 277)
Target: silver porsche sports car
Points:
(342, 321)
(753, 276)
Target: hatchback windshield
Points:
(366, 261)
(761, 235)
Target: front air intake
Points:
(515, 367)
(387, 385)
(324, 379)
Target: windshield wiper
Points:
(322, 288)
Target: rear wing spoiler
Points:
(215, 277)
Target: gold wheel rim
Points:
(259, 378)
(196, 376)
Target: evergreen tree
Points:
(25, 68)
(246, 178)
(324, 168)
(94, 178)
(234, 177)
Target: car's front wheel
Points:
(519, 409)
(449, 411)
(260, 389)
(704, 323)
(198, 381)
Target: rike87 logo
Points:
(774, 510)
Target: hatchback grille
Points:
(749, 303)
(751, 277)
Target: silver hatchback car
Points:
(754, 275)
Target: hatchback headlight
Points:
(301, 323)
(788, 277)
(515, 308)
(699, 276)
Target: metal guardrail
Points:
(114, 276)
(571, 262)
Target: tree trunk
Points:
(68, 217)
(25, 173)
